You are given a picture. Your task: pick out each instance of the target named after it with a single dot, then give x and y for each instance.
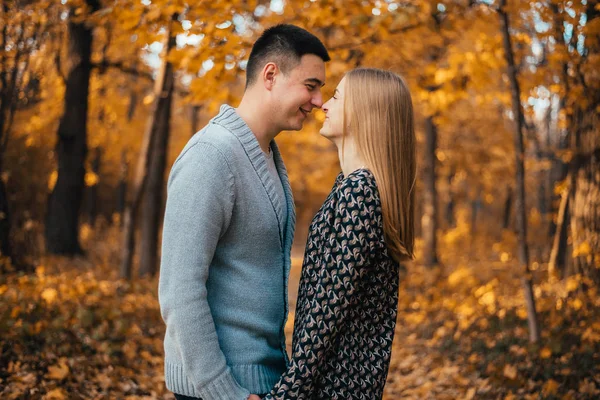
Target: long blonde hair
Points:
(378, 112)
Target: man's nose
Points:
(317, 100)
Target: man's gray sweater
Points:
(225, 265)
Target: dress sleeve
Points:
(349, 235)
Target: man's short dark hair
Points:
(284, 44)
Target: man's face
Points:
(296, 93)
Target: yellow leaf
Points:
(471, 393)
(545, 353)
(510, 371)
(583, 249)
(153, 14)
(55, 394)
(522, 313)
(560, 187)
(590, 335)
(573, 283)
(52, 180)
(58, 372)
(550, 387)
(148, 99)
(49, 294)
(459, 276)
(91, 179)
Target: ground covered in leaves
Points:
(71, 330)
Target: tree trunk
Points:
(11, 84)
(5, 245)
(92, 198)
(163, 91)
(559, 169)
(450, 220)
(195, 120)
(476, 206)
(153, 199)
(429, 217)
(585, 215)
(507, 209)
(122, 188)
(559, 244)
(521, 220)
(6, 254)
(64, 202)
(133, 100)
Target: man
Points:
(228, 229)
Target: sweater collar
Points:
(230, 120)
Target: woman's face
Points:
(333, 126)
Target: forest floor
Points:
(72, 330)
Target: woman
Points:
(348, 294)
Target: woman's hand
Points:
(253, 397)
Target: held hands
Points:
(253, 397)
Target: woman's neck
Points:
(349, 158)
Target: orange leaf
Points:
(58, 372)
(510, 371)
(55, 394)
(550, 387)
(545, 353)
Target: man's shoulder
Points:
(214, 138)
(216, 135)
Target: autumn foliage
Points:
(507, 98)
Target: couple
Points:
(229, 224)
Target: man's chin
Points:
(296, 126)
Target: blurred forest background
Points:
(97, 98)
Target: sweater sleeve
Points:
(351, 237)
(200, 198)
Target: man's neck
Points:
(255, 116)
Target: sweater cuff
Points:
(223, 387)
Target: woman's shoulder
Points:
(360, 185)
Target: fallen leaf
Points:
(550, 387)
(49, 295)
(510, 371)
(58, 372)
(471, 393)
(55, 394)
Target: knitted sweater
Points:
(225, 265)
(347, 300)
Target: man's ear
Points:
(269, 74)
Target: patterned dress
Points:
(347, 300)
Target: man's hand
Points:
(253, 397)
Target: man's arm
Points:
(199, 207)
